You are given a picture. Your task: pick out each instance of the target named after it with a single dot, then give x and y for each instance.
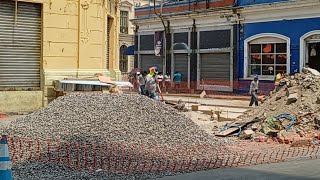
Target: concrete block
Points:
(194, 107)
(292, 98)
(248, 132)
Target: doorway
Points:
(314, 55)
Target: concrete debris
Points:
(298, 97)
(292, 98)
(311, 71)
(181, 106)
(248, 132)
(254, 127)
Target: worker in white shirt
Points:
(160, 79)
(167, 82)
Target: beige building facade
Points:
(46, 40)
(127, 33)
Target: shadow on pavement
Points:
(297, 170)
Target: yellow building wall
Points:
(74, 40)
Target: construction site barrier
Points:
(134, 158)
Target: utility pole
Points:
(166, 28)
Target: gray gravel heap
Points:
(90, 117)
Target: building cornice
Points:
(278, 6)
(249, 14)
(184, 16)
(280, 11)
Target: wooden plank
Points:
(227, 132)
(171, 103)
(232, 130)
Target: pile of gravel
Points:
(93, 118)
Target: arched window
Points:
(123, 59)
(310, 50)
(267, 55)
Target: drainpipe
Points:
(194, 55)
(238, 49)
(149, 8)
(136, 47)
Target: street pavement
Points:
(293, 170)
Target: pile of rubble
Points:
(290, 112)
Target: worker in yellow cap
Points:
(153, 71)
(151, 82)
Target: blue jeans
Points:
(142, 89)
(152, 95)
(254, 99)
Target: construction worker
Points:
(153, 71)
(254, 86)
(141, 81)
(151, 82)
(151, 86)
(167, 81)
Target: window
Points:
(123, 59)
(267, 59)
(215, 39)
(124, 22)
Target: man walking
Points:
(254, 86)
(177, 80)
(167, 82)
(141, 82)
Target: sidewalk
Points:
(227, 97)
(212, 95)
(231, 103)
